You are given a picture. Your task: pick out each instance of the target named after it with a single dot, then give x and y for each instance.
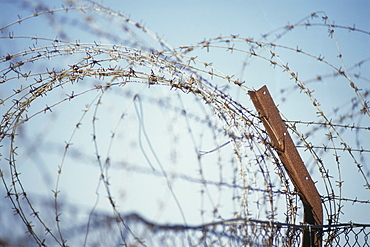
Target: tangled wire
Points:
(143, 143)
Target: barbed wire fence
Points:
(117, 138)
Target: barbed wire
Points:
(195, 143)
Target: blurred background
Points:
(120, 117)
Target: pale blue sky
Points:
(182, 23)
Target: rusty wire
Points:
(143, 72)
